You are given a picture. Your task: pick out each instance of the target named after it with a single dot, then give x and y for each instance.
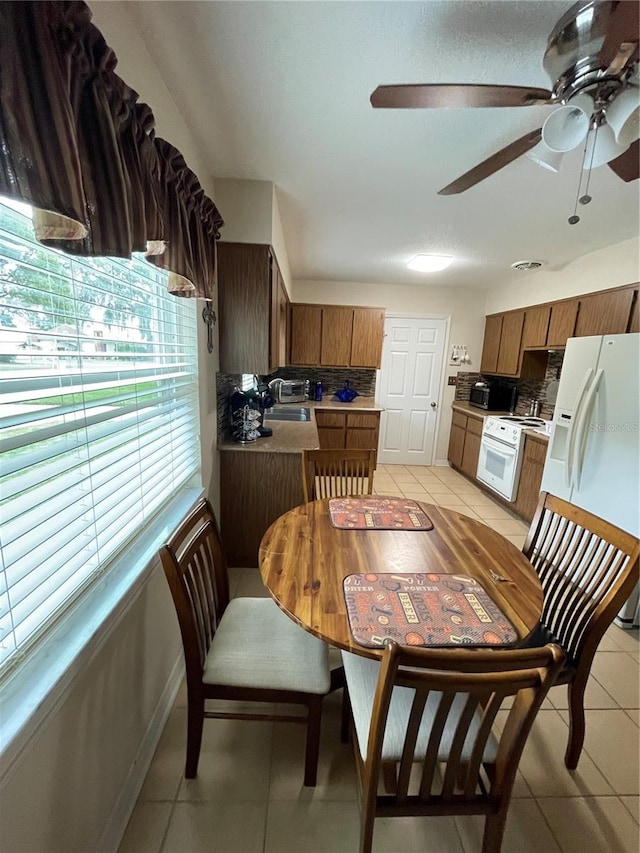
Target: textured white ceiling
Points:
(279, 91)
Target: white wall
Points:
(611, 267)
(465, 306)
(76, 777)
(252, 215)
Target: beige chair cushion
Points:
(257, 645)
(362, 675)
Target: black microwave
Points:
(493, 398)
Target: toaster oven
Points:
(290, 390)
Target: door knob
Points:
(434, 405)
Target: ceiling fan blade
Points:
(627, 165)
(494, 163)
(622, 28)
(453, 95)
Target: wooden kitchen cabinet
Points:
(342, 430)
(283, 322)
(534, 454)
(306, 332)
(634, 321)
(604, 313)
(249, 285)
(510, 340)
(464, 442)
(336, 335)
(536, 325)
(471, 451)
(491, 344)
(562, 323)
(368, 333)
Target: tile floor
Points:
(249, 796)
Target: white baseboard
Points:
(119, 818)
(442, 463)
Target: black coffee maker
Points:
(246, 412)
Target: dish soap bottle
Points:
(318, 392)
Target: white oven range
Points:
(500, 451)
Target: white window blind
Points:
(99, 420)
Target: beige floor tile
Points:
(466, 510)
(614, 640)
(591, 825)
(395, 492)
(336, 766)
(632, 804)
(633, 714)
(416, 835)
(619, 674)
(595, 696)
(617, 757)
(494, 512)
(205, 827)
(466, 488)
(235, 763)
(507, 528)
(626, 640)
(167, 767)
(525, 832)
(440, 489)
(146, 828)
(518, 540)
(312, 827)
(542, 762)
(480, 500)
(417, 494)
(449, 501)
(251, 585)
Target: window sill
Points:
(37, 687)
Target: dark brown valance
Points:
(76, 144)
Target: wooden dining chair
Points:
(587, 568)
(337, 473)
(245, 649)
(429, 714)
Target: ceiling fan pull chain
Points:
(583, 199)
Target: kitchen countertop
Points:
(474, 411)
(296, 436)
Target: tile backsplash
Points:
(363, 380)
(528, 389)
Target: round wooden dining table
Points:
(304, 559)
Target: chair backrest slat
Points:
(337, 473)
(461, 695)
(587, 568)
(194, 564)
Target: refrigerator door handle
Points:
(568, 462)
(582, 429)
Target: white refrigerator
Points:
(593, 458)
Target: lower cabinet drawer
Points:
(363, 420)
(330, 419)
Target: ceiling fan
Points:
(592, 60)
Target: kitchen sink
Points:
(288, 414)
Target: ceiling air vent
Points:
(526, 265)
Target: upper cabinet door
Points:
(491, 344)
(604, 313)
(536, 324)
(562, 324)
(368, 331)
(509, 355)
(306, 326)
(337, 330)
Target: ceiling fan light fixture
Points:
(601, 147)
(567, 126)
(623, 116)
(543, 156)
(429, 263)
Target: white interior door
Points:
(409, 388)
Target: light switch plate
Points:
(452, 380)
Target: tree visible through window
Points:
(99, 421)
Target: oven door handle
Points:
(498, 446)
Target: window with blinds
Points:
(99, 420)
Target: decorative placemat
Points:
(369, 513)
(424, 610)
